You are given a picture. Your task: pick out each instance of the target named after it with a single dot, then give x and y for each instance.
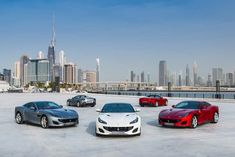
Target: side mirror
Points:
(98, 110)
(32, 108)
(173, 106)
(137, 110)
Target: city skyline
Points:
(124, 34)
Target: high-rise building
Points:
(36, 70)
(217, 74)
(16, 74)
(1, 77)
(148, 77)
(187, 79)
(229, 79)
(62, 61)
(209, 81)
(40, 55)
(7, 75)
(132, 76)
(90, 76)
(51, 53)
(80, 76)
(97, 70)
(70, 73)
(57, 72)
(180, 79)
(23, 60)
(142, 78)
(162, 73)
(195, 77)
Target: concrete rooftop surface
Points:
(26, 140)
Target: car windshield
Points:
(153, 96)
(188, 105)
(117, 108)
(47, 105)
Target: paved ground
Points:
(210, 140)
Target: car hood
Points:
(118, 118)
(176, 112)
(61, 112)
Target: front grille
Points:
(68, 120)
(118, 129)
(169, 120)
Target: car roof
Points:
(113, 103)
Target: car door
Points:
(204, 112)
(31, 113)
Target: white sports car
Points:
(118, 119)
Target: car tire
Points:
(78, 104)
(156, 104)
(44, 122)
(92, 105)
(19, 118)
(142, 105)
(68, 103)
(194, 122)
(215, 117)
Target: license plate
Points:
(70, 123)
(169, 124)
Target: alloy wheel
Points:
(44, 122)
(216, 117)
(194, 122)
(18, 118)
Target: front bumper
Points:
(59, 122)
(175, 122)
(112, 130)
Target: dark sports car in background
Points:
(189, 114)
(46, 114)
(153, 100)
(81, 101)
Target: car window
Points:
(117, 108)
(28, 105)
(150, 96)
(157, 96)
(188, 105)
(47, 105)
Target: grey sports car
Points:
(81, 101)
(46, 114)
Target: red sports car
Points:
(153, 100)
(189, 114)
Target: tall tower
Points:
(23, 60)
(187, 79)
(195, 80)
(162, 73)
(51, 51)
(97, 70)
(62, 62)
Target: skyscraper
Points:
(70, 73)
(195, 79)
(187, 79)
(80, 76)
(36, 70)
(23, 60)
(16, 74)
(97, 70)
(7, 75)
(132, 76)
(217, 74)
(51, 52)
(148, 77)
(229, 79)
(162, 73)
(62, 61)
(142, 78)
(209, 81)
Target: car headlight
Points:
(101, 121)
(134, 121)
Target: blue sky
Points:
(125, 34)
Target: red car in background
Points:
(189, 114)
(153, 100)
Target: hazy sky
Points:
(125, 34)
